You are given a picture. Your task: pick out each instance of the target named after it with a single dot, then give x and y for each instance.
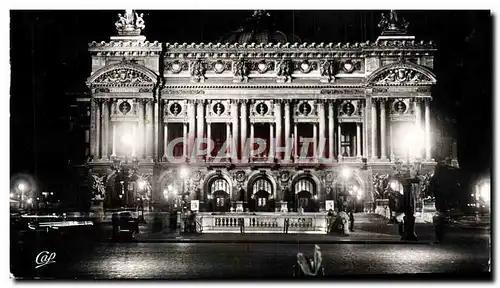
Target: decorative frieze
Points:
(284, 70)
(198, 70)
(176, 66)
(343, 91)
(123, 76)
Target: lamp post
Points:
(408, 176)
(183, 174)
(346, 174)
(21, 187)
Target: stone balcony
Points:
(263, 222)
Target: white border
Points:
(203, 4)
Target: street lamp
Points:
(412, 142)
(346, 174)
(142, 187)
(22, 188)
(183, 174)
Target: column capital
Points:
(98, 101)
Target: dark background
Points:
(50, 63)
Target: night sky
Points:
(49, 59)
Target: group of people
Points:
(341, 222)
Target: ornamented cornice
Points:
(184, 91)
(342, 91)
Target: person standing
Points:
(351, 221)
(242, 225)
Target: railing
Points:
(262, 222)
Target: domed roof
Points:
(259, 28)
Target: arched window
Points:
(305, 184)
(262, 184)
(304, 190)
(262, 191)
(219, 184)
(219, 193)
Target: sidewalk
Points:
(356, 237)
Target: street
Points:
(256, 261)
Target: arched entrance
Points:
(219, 195)
(121, 190)
(305, 195)
(348, 195)
(262, 195)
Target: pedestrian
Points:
(351, 221)
(400, 226)
(115, 222)
(330, 221)
(242, 225)
(438, 221)
(287, 224)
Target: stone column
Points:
(315, 140)
(98, 128)
(93, 116)
(383, 126)
(391, 141)
(295, 141)
(113, 150)
(427, 130)
(271, 140)
(358, 139)
(277, 117)
(149, 143)
(191, 127)
(418, 122)
(251, 139)
(322, 128)
(209, 137)
(236, 128)
(243, 134)
(134, 136)
(155, 143)
(184, 139)
(200, 117)
(142, 128)
(339, 132)
(287, 129)
(105, 132)
(374, 130)
(331, 135)
(165, 140)
(228, 137)
(364, 131)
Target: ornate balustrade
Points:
(263, 222)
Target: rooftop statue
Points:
(392, 24)
(130, 24)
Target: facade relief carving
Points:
(198, 70)
(123, 76)
(401, 75)
(284, 70)
(176, 66)
(306, 66)
(241, 71)
(328, 71)
(220, 66)
(262, 66)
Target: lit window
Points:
(220, 202)
(261, 202)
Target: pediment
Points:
(402, 73)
